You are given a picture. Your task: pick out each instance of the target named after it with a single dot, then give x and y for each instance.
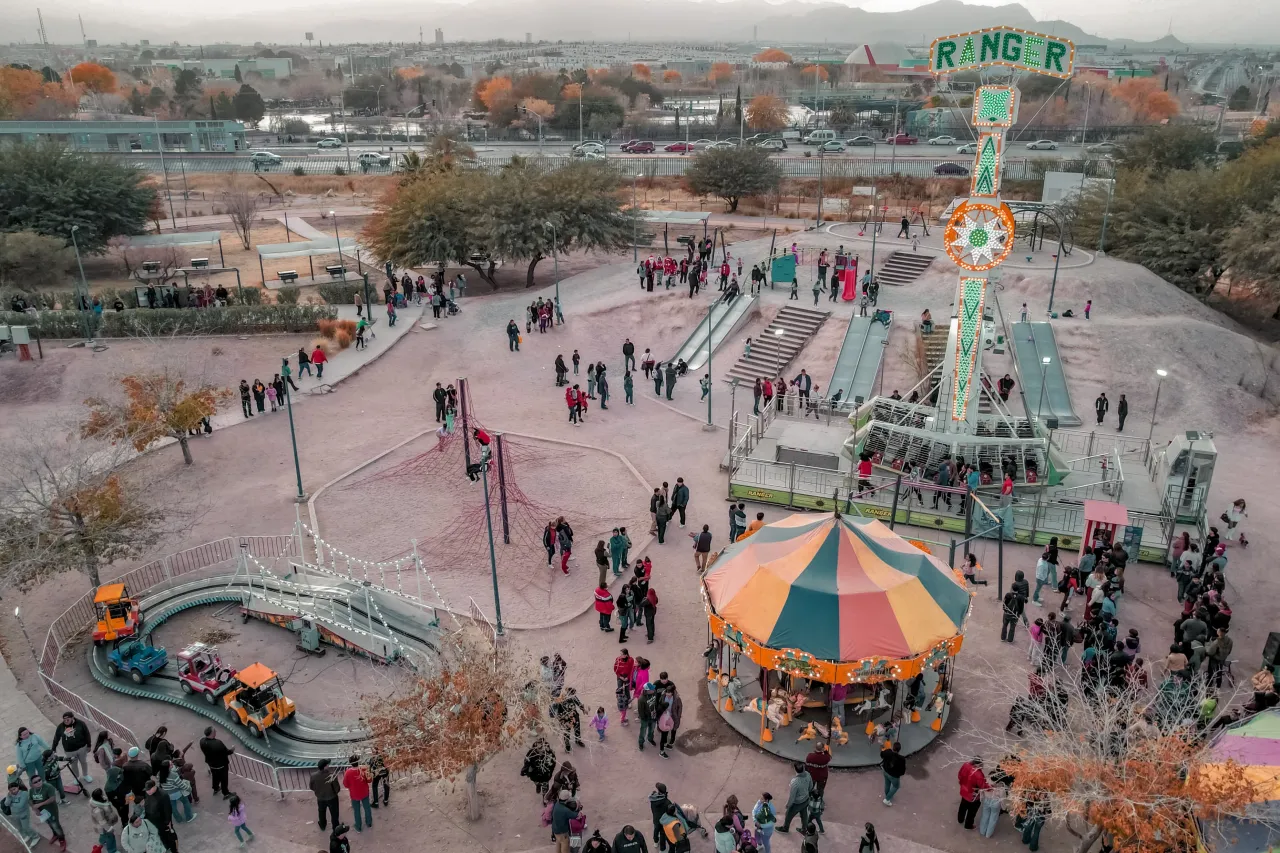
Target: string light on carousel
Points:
(823, 624)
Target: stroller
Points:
(451, 307)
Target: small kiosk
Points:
(1104, 523)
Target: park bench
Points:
(288, 275)
(336, 270)
(199, 263)
(151, 266)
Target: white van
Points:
(817, 137)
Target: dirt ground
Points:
(1217, 382)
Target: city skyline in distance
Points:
(857, 21)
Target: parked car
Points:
(638, 147)
(329, 142)
(374, 160)
(835, 146)
(774, 144)
(1043, 145)
(860, 140)
(265, 158)
(680, 147)
(756, 139)
(943, 140)
(967, 148)
(902, 139)
(950, 169)
(721, 145)
(733, 140)
(1103, 148)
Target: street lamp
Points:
(17, 614)
(301, 497)
(346, 132)
(777, 353)
(82, 293)
(529, 112)
(341, 263)
(1160, 375)
(820, 161)
(488, 520)
(1044, 370)
(556, 256)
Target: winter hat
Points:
(133, 752)
(564, 794)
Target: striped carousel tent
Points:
(838, 588)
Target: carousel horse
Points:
(838, 734)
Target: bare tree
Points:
(242, 207)
(1107, 750)
(484, 699)
(65, 506)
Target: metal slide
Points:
(725, 319)
(299, 741)
(1031, 343)
(859, 360)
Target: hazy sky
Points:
(1246, 21)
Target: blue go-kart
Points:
(137, 658)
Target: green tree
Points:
(29, 260)
(223, 106)
(249, 106)
(1173, 146)
(732, 174)
(428, 220)
(187, 85)
(50, 76)
(137, 103)
(1240, 98)
(239, 77)
(155, 98)
(46, 188)
(1251, 251)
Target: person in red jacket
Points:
(724, 275)
(356, 781)
(318, 358)
(604, 606)
(972, 783)
(572, 396)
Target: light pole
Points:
(164, 169)
(635, 246)
(346, 132)
(17, 614)
(488, 520)
(1106, 213)
(820, 147)
(875, 227)
(529, 112)
(1160, 375)
(1044, 371)
(338, 240)
(777, 353)
(556, 256)
(709, 425)
(293, 437)
(82, 293)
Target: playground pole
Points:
(502, 493)
(466, 422)
(493, 557)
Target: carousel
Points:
(832, 629)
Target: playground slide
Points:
(725, 319)
(299, 741)
(1031, 343)
(859, 360)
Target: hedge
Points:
(337, 293)
(232, 320)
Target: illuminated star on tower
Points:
(980, 240)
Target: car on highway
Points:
(860, 140)
(592, 155)
(1042, 145)
(265, 158)
(721, 145)
(680, 147)
(624, 146)
(756, 139)
(943, 140)
(967, 148)
(902, 139)
(329, 142)
(374, 159)
(637, 146)
(584, 148)
(733, 140)
(950, 169)
(703, 143)
(835, 146)
(1103, 148)
(774, 144)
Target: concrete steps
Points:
(772, 352)
(903, 267)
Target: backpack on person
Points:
(764, 814)
(674, 831)
(666, 722)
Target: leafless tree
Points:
(242, 207)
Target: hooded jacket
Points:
(1022, 588)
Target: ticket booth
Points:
(1104, 524)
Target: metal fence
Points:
(831, 166)
(81, 616)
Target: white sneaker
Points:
(886, 802)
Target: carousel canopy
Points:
(839, 588)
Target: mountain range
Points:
(731, 21)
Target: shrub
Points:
(288, 295)
(325, 344)
(339, 171)
(348, 326)
(339, 293)
(299, 171)
(251, 295)
(343, 338)
(327, 328)
(127, 295)
(232, 320)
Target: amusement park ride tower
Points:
(978, 238)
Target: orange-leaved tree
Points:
(480, 699)
(670, 76)
(571, 91)
(161, 404)
(93, 77)
(1107, 754)
(641, 70)
(721, 72)
(810, 70)
(767, 112)
(539, 107)
(1147, 100)
(494, 93)
(69, 508)
(24, 93)
(772, 54)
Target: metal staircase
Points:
(777, 346)
(903, 267)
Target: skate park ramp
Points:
(859, 360)
(1031, 343)
(725, 319)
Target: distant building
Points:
(276, 68)
(439, 36)
(139, 135)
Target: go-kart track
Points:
(378, 623)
